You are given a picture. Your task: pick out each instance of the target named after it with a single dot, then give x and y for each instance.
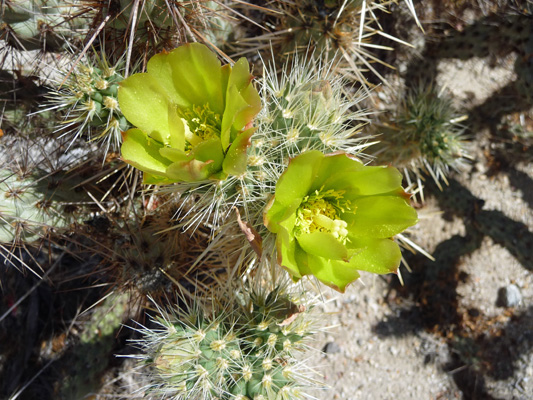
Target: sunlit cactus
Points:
(87, 96)
(38, 192)
(423, 136)
(332, 30)
(27, 209)
(304, 108)
(160, 159)
(240, 346)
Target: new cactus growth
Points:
(243, 348)
(89, 99)
(423, 136)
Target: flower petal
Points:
(145, 105)
(197, 76)
(143, 153)
(209, 150)
(174, 155)
(151, 179)
(286, 247)
(298, 177)
(340, 172)
(234, 105)
(322, 244)
(277, 215)
(334, 273)
(176, 129)
(335, 172)
(236, 157)
(203, 160)
(379, 217)
(160, 68)
(189, 171)
(374, 180)
(379, 256)
(242, 101)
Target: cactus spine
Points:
(243, 348)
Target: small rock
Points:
(349, 299)
(331, 348)
(394, 351)
(509, 296)
(481, 167)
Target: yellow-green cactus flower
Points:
(193, 116)
(334, 216)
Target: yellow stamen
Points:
(320, 212)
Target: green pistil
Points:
(320, 211)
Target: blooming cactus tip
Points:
(334, 216)
(192, 116)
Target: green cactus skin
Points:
(89, 98)
(87, 360)
(304, 108)
(243, 348)
(272, 343)
(423, 136)
(31, 205)
(38, 24)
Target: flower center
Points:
(320, 211)
(203, 123)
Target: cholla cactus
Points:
(152, 255)
(89, 99)
(42, 24)
(140, 29)
(423, 136)
(332, 29)
(304, 108)
(35, 201)
(181, 140)
(29, 206)
(88, 359)
(244, 347)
